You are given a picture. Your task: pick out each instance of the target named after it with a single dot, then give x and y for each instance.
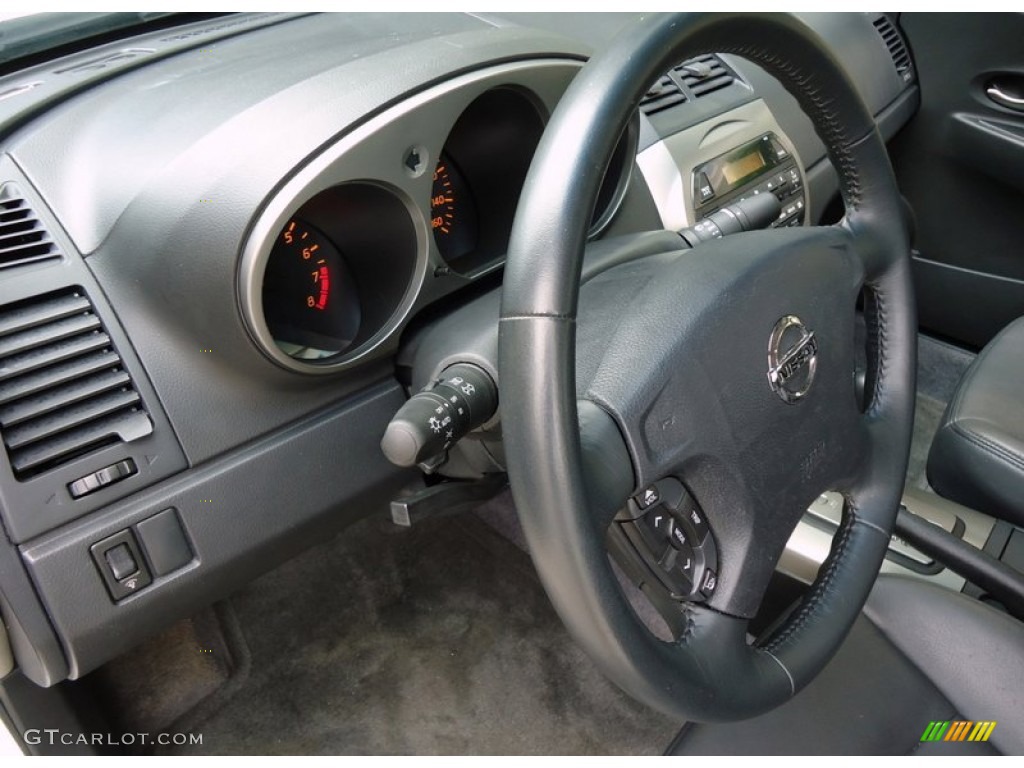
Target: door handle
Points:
(1004, 97)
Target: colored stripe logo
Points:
(958, 730)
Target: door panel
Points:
(960, 162)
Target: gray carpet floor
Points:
(434, 640)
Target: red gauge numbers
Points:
(320, 289)
(309, 299)
(453, 214)
(442, 202)
(322, 281)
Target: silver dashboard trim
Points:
(381, 139)
(809, 545)
(667, 165)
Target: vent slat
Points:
(894, 42)
(41, 312)
(55, 353)
(62, 397)
(23, 227)
(56, 375)
(653, 106)
(712, 84)
(126, 426)
(23, 237)
(42, 335)
(70, 418)
(661, 96)
(18, 213)
(64, 391)
(704, 74)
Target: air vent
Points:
(704, 74)
(23, 238)
(63, 389)
(897, 48)
(661, 96)
(218, 27)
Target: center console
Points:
(731, 157)
(760, 167)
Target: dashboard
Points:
(245, 225)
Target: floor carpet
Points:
(434, 640)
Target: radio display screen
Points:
(738, 169)
(735, 169)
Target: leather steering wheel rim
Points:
(565, 496)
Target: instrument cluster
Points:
(335, 268)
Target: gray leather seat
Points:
(919, 653)
(977, 456)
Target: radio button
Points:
(703, 191)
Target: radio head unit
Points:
(762, 166)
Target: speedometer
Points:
(309, 297)
(453, 215)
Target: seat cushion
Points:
(977, 456)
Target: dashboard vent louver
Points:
(704, 74)
(663, 95)
(23, 238)
(897, 48)
(63, 389)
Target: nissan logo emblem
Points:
(792, 359)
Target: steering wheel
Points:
(682, 389)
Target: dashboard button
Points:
(704, 190)
(101, 478)
(120, 561)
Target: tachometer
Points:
(309, 298)
(452, 213)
